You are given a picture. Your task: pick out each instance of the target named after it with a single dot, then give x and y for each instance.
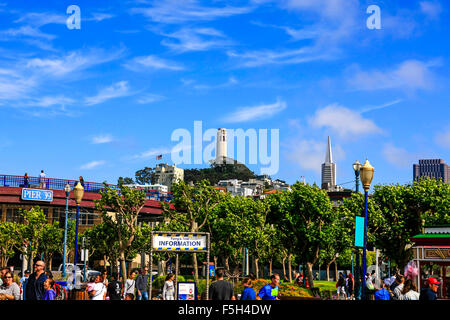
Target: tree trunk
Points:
(328, 270)
(284, 267)
(50, 261)
(256, 268)
(227, 264)
(270, 266)
(290, 267)
(310, 275)
(194, 263)
(335, 269)
(124, 267)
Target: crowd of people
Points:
(39, 285)
(397, 287)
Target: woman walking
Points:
(130, 285)
(169, 288)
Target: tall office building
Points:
(329, 170)
(432, 168)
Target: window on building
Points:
(13, 215)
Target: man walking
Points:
(430, 292)
(35, 283)
(270, 291)
(142, 285)
(221, 289)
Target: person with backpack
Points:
(49, 293)
(115, 289)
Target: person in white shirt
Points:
(99, 289)
(42, 179)
(409, 291)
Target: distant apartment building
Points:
(236, 187)
(432, 168)
(167, 175)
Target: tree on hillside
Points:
(145, 176)
(125, 180)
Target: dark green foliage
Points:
(219, 172)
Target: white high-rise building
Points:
(221, 146)
(329, 170)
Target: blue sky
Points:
(103, 101)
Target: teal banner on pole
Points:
(359, 232)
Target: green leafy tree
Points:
(121, 212)
(52, 238)
(29, 234)
(104, 242)
(8, 241)
(146, 176)
(404, 210)
(305, 213)
(125, 180)
(193, 205)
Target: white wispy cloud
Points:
(443, 139)
(71, 62)
(102, 138)
(382, 106)
(399, 157)
(144, 63)
(176, 12)
(149, 98)
(409, 75)
(92, 165)
(192, 83)
(117, 90)
(343, 122)
(309, 154)
(431, 9)
(258, 112)
(196, 39)
(334, 24)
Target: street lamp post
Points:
(78, 192)
(367, 172)
(357, 167)
(67, 190)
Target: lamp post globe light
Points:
(367, 172)
(67, 190)
(78, 192)
(357, 275)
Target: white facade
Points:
(221, 146)
(167, 175)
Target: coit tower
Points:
(221, 146)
